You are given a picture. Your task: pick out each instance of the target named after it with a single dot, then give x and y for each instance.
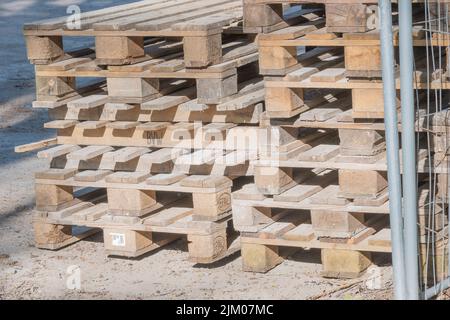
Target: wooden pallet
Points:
(336, 113)
(185, 135)
(313, 215)
(284, 95)
(100, 161)
(56, 83)
(309, 215)
(279, 52)
(173, 103)
(120, 31)
(171, 218)
(261, 251)
(265, 16)
(134, 194)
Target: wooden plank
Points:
(92, 175)
(89, 102)
(92, 125)
(56, 174)
(165, 178)
(242, 102)
(127, 177)
(329, 75)
(187, 13)
(123, 125)
(89, 152)
(214, 21)
(68, 64)
(200, 181)
(301, 74)
(288, 33)
(198, 157)
(60, 124)
(163, 155)
(124, 154)
(141, 19)
(167, 216)
(329, 196)
(57, 151)
(169, 101)
(153, 126)
(303, 232)
(55, 23)
(323, 152)
(381, 238)
(35, 145)
(298, 193)
(275, 229)
(130, 20)
(91, 213)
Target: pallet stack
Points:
(323, 183)
(149, 125)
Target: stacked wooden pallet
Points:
(323, 184)
(149, 125)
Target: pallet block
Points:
(206, 249)
(434, 261)
(118, 50)
(211, 206)
(132, 87)
(214, 91)
(361, 183)
(129, 202)
(201, 52)
(368, 103)
(273, 180)
(362, 61)
(283, 102)
(126, 242)
(344, 263)
(51, 88)
(336, 224)
(251, 219)
(272, 59)
(257, 16)
(42, 50)
(259, 258)
(52, 197)
(349, 17)
(51, 236)
(355, 142)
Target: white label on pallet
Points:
(118, 239)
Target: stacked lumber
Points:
(148, 125)
(322, 182)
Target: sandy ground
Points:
(29, 273)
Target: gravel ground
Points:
(29, 273)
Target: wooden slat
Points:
(56, 174)
(169, 101)
(127, 177)
(60, 124)
(89, 102)
(89, 152)
(91, 175)
(35, 145)
(165, 178)
(303, 232)
(167, 216)
(92, 125)
(188, 13)
(57, 151)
